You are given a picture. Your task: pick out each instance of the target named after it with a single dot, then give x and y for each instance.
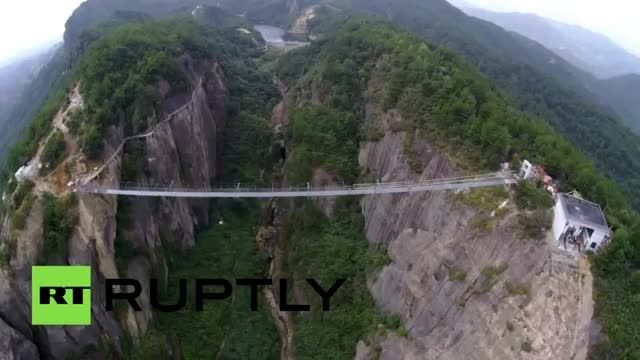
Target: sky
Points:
(617, 19)
(29, 25)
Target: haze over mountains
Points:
(610, 72)
(591, 51)
(14, 77)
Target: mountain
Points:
(588, 50)
(536, 79)
(131, 79)
(16, 76)
(622, 94)
(88, 22)
(584, 49)
(15, 81)
(185, 102)
(191, 102)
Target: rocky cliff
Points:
(466, 285)
(182, 151)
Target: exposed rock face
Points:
(183, 151)
(14, 345)
(451, 308)
(301, 26)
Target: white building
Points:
(579, 224)
(527, 171)
(28, 172)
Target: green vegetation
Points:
(446, 99)
(248, 153)
(617, 294)
(324, 248)
(123, 245)
(534, 224)
(413, 160)
(517, 289)
(456, 108)
(21, 212)
(152, 345)
(225, 329)
(40, 126)
(118, 68)
(327, 249)
(438, 95)
(57, 224)
(23, 125)
(20, 204)
(456, 274)
(372, 133)
(134, 162)
(483, 223)
(529, 196)
(553, 91)
(323, 137)
(23, 189)
(489, 278)
(618, 92)
(378, 258)
(484, 199)
(53, 151)
(75, 120)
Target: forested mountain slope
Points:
(89, 22)
(130, 79)
(28, 97)
(14, 77)
(366, 101)
(585, 49)
(623, 93)
(403, 94)
(615, 81)
(537, 80)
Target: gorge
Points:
(434, 275)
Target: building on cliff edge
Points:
(579, 224)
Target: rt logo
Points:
(60, 295)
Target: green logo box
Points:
(61, 295)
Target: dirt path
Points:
(55, 180)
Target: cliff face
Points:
(464, 291)
(183, 151)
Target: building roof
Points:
(583, 211)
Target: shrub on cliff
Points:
(529, 196)
(53, 151)
(20, 214)
(323, 137)
(57, 222)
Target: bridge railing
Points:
(460, 178)
(502, 176)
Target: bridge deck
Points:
(495, 179)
